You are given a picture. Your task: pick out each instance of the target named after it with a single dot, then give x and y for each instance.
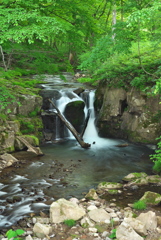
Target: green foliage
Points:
(113, 234)
(70, 222)
(89, 80)
(3, 116)
(139, 205)
(26, 127)
(156, 157)
(124, 70)
(34, 113)
(6, 97)
(14, 234)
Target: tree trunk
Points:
(113, 20)
(71, 128)
(85, 124)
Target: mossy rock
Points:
(138, 182)
(151, 198)
(134, 176)
(34, 141)
(109, 185)
(91, 195)
(74, 112)
(154, 179)
(113, 191)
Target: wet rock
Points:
(78, 91)
(134, 176)
(109, 185)
(138, 181)
(74, 112)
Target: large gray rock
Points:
(137, 225)
(149, 220)
(126, 232)
(99, 215)
(28, 104)
(63, 209)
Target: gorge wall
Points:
(131, 115)
(21, 120)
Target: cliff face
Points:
(129, 115)
(20, 119)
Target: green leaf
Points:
(19, 231)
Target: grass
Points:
(139, 205)
(70, 222)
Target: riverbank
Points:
(94, 218)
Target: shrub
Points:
(156, 157)
(139, 205)
(113, 234)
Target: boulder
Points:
(42, 230)
(74, 112)
(137, 182)
(149, 220)
(99, 215)
(126, 232)
(154, 179)
(151, 198)
(137, 225)
(8, 159)
(134, 176)
(63, 209)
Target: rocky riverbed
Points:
(95, 218)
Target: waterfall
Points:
(90, 131)
(66, 97)
(54, 128)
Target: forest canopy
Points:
(108, 39)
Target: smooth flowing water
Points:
(66, 170)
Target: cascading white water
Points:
(91, 131)
(61, 103)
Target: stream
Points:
(66, 170)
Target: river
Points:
(66, 170)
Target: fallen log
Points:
(85, 124)
(31, 148)
(70, 127)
